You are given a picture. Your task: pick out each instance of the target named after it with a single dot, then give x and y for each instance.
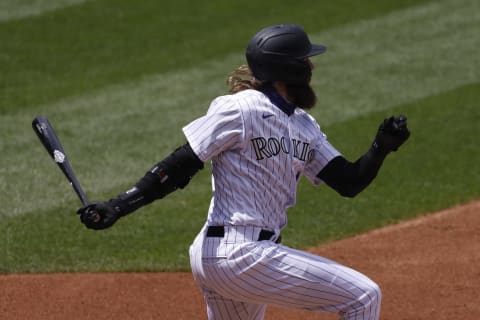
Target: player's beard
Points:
(301, 95)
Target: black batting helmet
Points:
(279, 52)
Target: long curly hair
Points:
(242, 79)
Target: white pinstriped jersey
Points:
(258, 152)
(259, 146)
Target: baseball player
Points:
(260, 140)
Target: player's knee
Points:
(367, 303)
(375, 294)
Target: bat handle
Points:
(81, 195)
(79, 191)
(68, 172)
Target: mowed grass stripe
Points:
(16, 9)
(79, 48)
(371, 65)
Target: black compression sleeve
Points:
(349, 178)
(174, 172)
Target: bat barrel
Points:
(50, 141)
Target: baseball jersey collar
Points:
(278, 100)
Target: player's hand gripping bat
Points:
(50, 141)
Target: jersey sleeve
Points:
(321, 154)
(219, 130)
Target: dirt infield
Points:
(428, 268)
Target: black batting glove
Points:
(98, 215)
(392, 133)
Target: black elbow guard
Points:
(172, 173)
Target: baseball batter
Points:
(260, 140)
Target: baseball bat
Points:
(50, 141)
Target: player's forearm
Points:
(172, 173)
(348, 178)
(366, 169)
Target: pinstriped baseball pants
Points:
(239, 276)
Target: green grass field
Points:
(118, 81)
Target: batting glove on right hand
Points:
(98, 215)
(392, 133)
